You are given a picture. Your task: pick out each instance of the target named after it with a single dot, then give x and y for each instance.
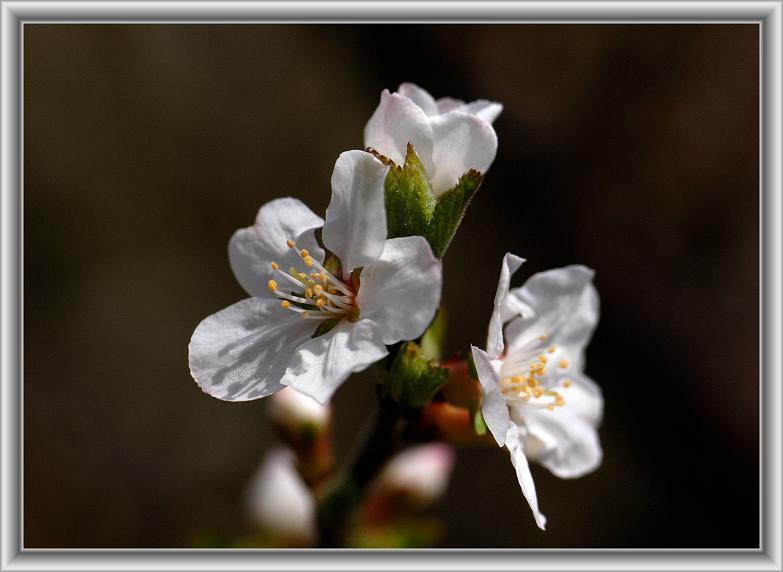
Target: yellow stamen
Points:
(567, 383)
(303, 253)
(308, 260)
(542, 337)
(560, 400)
(272, 285)
(321, 302)
(305, 314)
(563, 363)
(550, 407)
(318, 289)
(308, 293)
(275, 266)
(285, 304)
(290, 243)
(542, 358)
(551, 349)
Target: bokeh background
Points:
(632, 149)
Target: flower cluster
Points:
(331, 296)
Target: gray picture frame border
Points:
(14, 15)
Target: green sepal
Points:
(479, 425)
(413, 379)
(432, 340)
(449, 210)
(412, 208)
(409, 199)
(332, 264)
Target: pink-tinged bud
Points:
(419, 474)
(279, 503)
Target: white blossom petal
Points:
(396, 122)
(561, 304)
(241, 352)
(355, 228)
(278, 501)
(511, 264)
(323, 363)
(565, 440)
(481, 108)
(493, 408)
(524, 477)
(461, 143)
(446, 104)
(401, 290)
(252, 250)
(420, 97)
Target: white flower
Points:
(450, 136)
(261, 344)
(278, 501)
(537, 400)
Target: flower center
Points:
(315, 294)
(533, 375)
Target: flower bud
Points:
(410, 482)
(461, 388)
(295, 413)
(279, 503)
(305, 425)
(452, 424)
(421, 472)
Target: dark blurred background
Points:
(631, 149)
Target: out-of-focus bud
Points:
(462, 388)
(297, 415)
(305, 425)
(453, 424)
(422, 472)
(413, 480)
(279, 503)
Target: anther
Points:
(567, 383)
(275, 266)
(318, 289)
(303, 253)
(550, 407)
(272, 285)
(285, 304)
(563, 363)
(551, 349)
(542, 358)
(305, 314)
(542, 337)
(308, 293)
(290, 243)
(308, 260)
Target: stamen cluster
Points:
(532, 384)
(317, 295)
